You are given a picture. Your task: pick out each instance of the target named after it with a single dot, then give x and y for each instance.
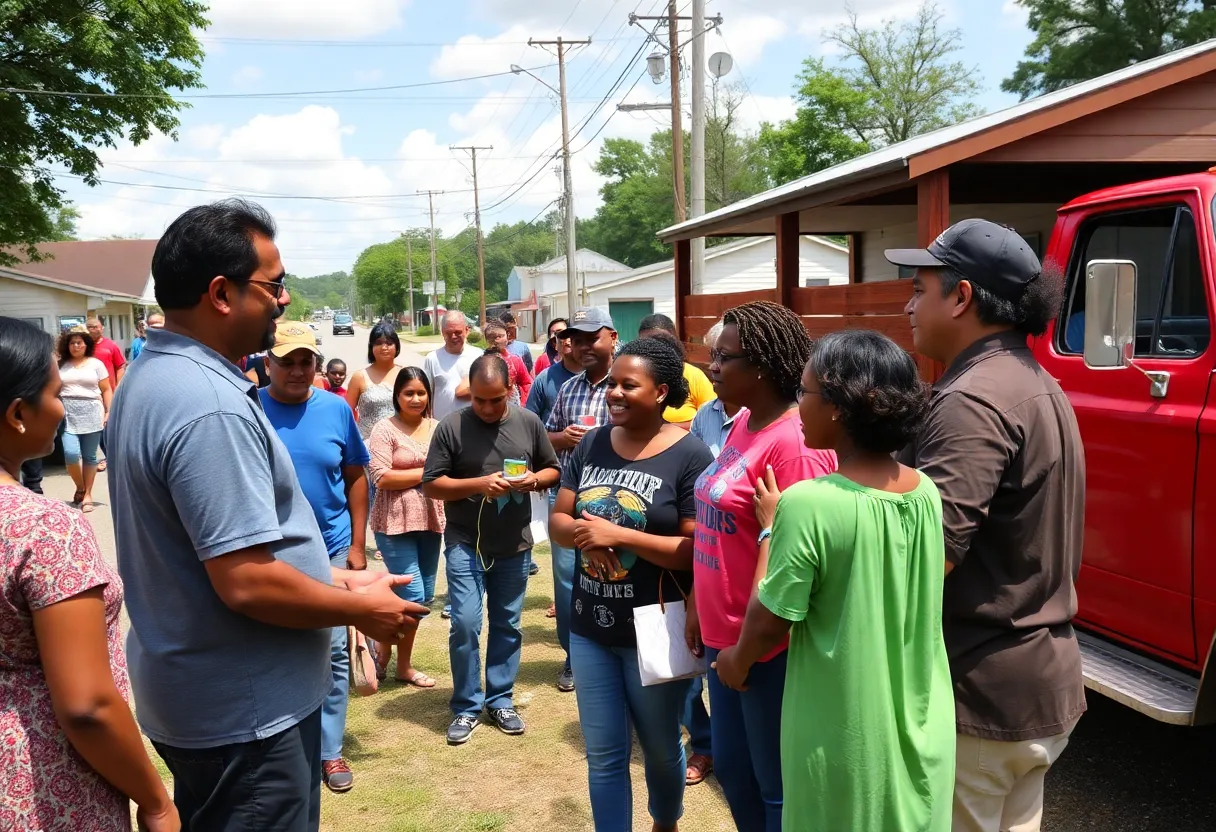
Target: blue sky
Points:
(340, 170)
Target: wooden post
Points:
(856, 269)
(932, 218)
(683, 277)
(787, 258)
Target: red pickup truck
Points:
(1133, 349)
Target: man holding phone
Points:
(488, 538)
(580, 406)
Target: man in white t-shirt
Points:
(448, 368)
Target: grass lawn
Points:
(407, 779)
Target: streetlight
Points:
(567, 181)
(517, 69)
(655, 65)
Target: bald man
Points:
(448, 368)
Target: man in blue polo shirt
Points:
(329, 456)
(227, 582)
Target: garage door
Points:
(627, 314)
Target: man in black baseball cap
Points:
(1001, 443)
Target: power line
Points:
(255, 95)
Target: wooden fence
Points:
(823, 309)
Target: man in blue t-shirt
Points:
(329, 456)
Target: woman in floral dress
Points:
(71, 757)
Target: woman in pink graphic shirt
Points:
(758, 360)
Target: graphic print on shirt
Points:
(728, 468)
(621, 497)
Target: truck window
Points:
(1171, 302)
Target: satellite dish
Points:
(720, 63)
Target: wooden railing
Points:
(823, 309)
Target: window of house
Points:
(1171, 302)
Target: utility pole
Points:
(481, 253)
(567, 182)
(698, 139)
(677, 129)
(409, 266)
(430, 197)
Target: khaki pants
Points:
(998, 786)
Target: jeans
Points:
(273, 783)
(31, 474)
(502, 583)
(611, 701)
(747, 743)
(78, 446)
(563, 584)
(333, 709)
(415, 554)
(695, 718)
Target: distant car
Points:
(316, 332)
(344, 324)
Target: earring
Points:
(661, 399)
(20, 428)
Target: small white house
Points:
(738, 266)
(104, 278)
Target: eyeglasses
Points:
(720, 357)
(277, 286)
(801, 391)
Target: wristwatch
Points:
(765, 534)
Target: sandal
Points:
(419, 680)
(78, 497)
(381, 669)
(699, 766)
(551, 612)
(101, 466)
(87, 507)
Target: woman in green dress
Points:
(855, 577)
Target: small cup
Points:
(514, 469)
(586, 420)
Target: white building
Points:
(547, 282)
(104, 278)
(739, 266)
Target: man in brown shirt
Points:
(1002, 445)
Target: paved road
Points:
(353, 348)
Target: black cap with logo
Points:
(992, 256)
(587, 319)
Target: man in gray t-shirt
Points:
(228, 583)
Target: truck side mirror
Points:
(1110, 313)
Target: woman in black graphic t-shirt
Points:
(626, 504)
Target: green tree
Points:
(80, 76)
(892, 82)
(734, 160)
(64, 227)
(1076, 40)
(380, 276)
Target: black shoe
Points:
(461, 729)
(534, 569)
(565, 680)
(507, 720)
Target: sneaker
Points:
(461, 729)
(565, 679)
(337, 775)
(508, 720)
(534, 569)
(447, 611)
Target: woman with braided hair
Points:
(626, 505)
(757, 362)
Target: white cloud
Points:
(1014, 15)
(316, 236)
(757, 109)
(247, 75)
(321, 19)
(367, 76)
(474, 55)
(749, 35)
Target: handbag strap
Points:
(683, 594)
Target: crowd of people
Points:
(871, 579)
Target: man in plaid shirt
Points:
(581, 405)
